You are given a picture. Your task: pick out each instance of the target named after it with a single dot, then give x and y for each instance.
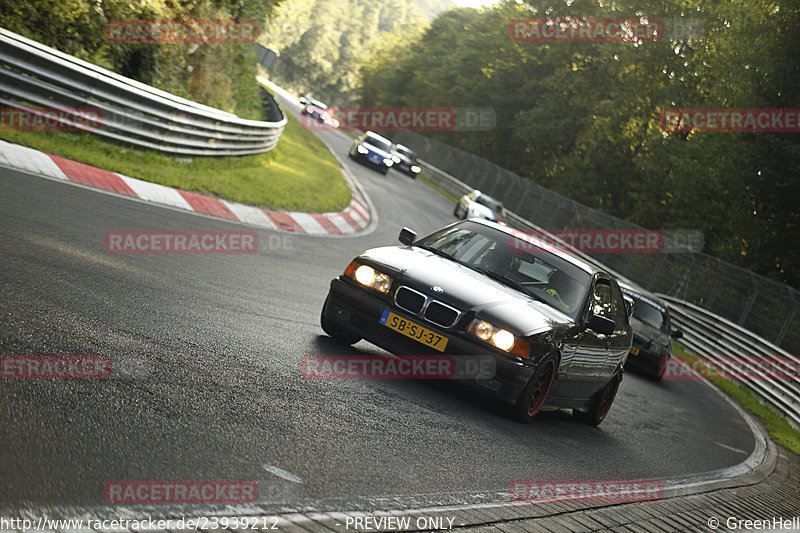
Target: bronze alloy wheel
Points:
(541, 387)
(531, 400)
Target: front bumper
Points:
(647, 361)
(372, 159)
(360, 310)
(405, 169)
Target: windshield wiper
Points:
(508, 281)
(494, 275)
(438, 252)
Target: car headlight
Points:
(415, 169)
(387, 162)
(362, 150)
(368, 277)
(500, 338)
(395, 160)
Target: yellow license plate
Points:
(413, 330)
(634, 350)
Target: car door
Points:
(619, 343)
(586, 350)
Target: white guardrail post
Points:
(35, 76)
(715, 339)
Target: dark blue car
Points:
(373, 150)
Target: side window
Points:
(601, 300)
(618, 312)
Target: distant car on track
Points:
(314, 109)
(374, 150)
(307, 100)
(652, 333)
(320, 115)
(479, 205)
(405, 160)
(556, 327)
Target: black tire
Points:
(385, 170)
(455, 211)
(530, 401)
(662, 368)
(336, 331)
(601, 404)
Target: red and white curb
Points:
(353, 219)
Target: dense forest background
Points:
(579, 118)
(220, 75)
(582, 118)
(322, 44)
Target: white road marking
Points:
(288, 476)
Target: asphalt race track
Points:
(206, 380)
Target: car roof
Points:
(490, 198)
(375, 135)
(559, 253)
(315, 102)
(643, 293)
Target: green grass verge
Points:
(300, 174)
(449, 196)
(779, 429)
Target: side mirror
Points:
(677, 334)
(601, 324)
(407, 236)
(629, 303)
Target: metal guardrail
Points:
(454, 186)
(726, 345)
(714, 338)
(34, 76)
(767, 307)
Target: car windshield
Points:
(404, 151)
(652, 315)
(378, 142)
(541, 274)
(490, 202)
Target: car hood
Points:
(466, 289)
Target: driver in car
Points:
(561, 287)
